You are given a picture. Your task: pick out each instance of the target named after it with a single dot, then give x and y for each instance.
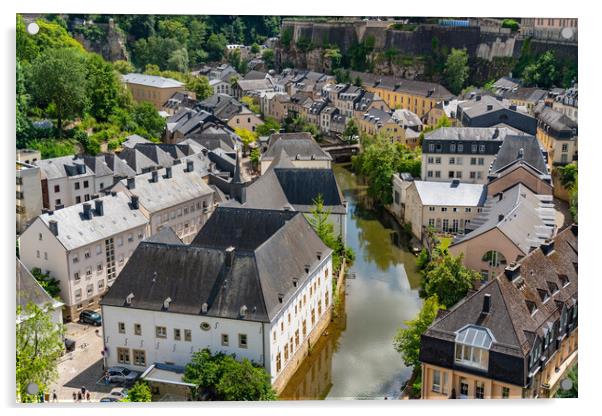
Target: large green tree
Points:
(148, 120)
(39, 347)
(407, 340)
(269, 124)
(200, 86)
(544, 72)
(140, 392)
(23, 124)
(58, 81)
(103, 87)
(456, 69)
(51, 285)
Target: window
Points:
(86, 184)
(296, 338)
(121, 327)
(99, 267)
(90, 290)
(451, 174)
(242, 341)
(177, 334)
(438, 160)
(436, 381)
(78, 199)
(278, 363)
(429, 174)
(76, 185)
(98, 249)
(57, 188)
(326, 299)
(452, 148)
(78, 294)
(505, 392)
(225, 340)
(565, 147)
(443, 209)
(137, 329)
(463, 387)
(57, 201)
(430, 159)
(481, 148)
(460, 147)
(481, 161)
(45, 255)
(187, 335)
(458, 161)
(75, 259)
(473, 148)
(431, 222)
(438, 174)
(160, 332)
(473, 160)
(38, 253)
(480, 390)
(139, 357)
(119, 241)
(130, 237)
(123, 355)
(304, 327)
(101, 285)
(313, 316)
(286, 352)
(472, 346)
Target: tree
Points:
(268, 57)
(255, 48)
(568, 175)
(140, 392)
(49, 284)
(351, 129)
(103, 87)
(247, 137)
(123, 67)
(148, 120)
(334, 55)
(254, 157)
(50, 36)
(544, 73)
(200, 86)
(456, 69)
(510, 24)
(178, 60)
(573, 392)
(269, 124)
(39, 346)
(23, 124)
(221, 377)
(248, 101)
(319, 221)
(216, 46)
(447, 278)
(58, 80)
(407, 340)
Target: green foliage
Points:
(52, 148)
(357, 55)
(544, 72)
(568, 175)
(250, 103)
(255, 48)
(103, 87)
(221, 377)
(335, 57)
(148, 120)
(57, 81)
(510, 24)
(380, 160)
(140, 392)
(123, 67)
(23, 124)
(200, 86)
(39, 346)
(50, 284)
(247, 137)
(269, 124)
(351, 129)
(417, 385)
(268, 57)
(456, 69)
(343, 76)
(216, 46)
(50, 36)
(286, 37)
(254, 158)
(407, 340)
(573, 392)
(178, 60)
(447, 278)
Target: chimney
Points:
(243, 194)
(229, 256)
(168, 172)
(489, 107)
(243, 311)
(500, 196)
(486, 304)
(547, 247)
(87, 211)
(135, 202)
(99, 207)
(513, 107)
(128, 299)
(131, 183)
(280, 297)
(574, 229)
(154, 176)
(166, 303)
(204, 307)
(478, 98)
(521, 153)
(189, 166)
(512, 271)
(54, 227)
(306, 268)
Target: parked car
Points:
(122, 375)
(119, 393)
(69, 345)
(109, 399)
(90, 317)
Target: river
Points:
(355, 358)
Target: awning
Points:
(167, 374)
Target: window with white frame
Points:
(472, 346)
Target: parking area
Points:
(82, 367)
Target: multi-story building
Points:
(444, 207)
(84, 247)
(510, 225)
(376, 121)
(302, 149)
(176, 197)
(557, 29)
(254, 283)
(29, 156)
(557, 134)
(516, 337)
(567, 103)
(151, 88)
(417, 96)
(460, 153)
(488, 111)
(29, 194)
(68, 180)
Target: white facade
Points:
(132, 333)
(28, 194)
(84, 271)
(444, 167)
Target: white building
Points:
(68, 180)
(255, 283)
(28, 194)
(175, 197)
(84, 247)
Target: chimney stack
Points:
(486, 304)
(87, 211)
(229, 256)
(574, 229)
(131, 183)
(547, 247)
(99, 207)
(54, 227)
(512, 271)
(168, 172)
(135, 202)
(189, 166)
(154, 176)
(489, 107)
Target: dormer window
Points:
(543, 295)
(531, 306)
(553, 287)
(472, 346)
(564, 280)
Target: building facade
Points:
(28, 194)
(151, 88)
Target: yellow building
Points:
(557, 134)
(516, 337)
(154, 89)
(417, 96)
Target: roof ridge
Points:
(506, 306)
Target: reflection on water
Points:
(356, 359)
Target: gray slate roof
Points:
(451, 193)
(133, 139)
(75, 231)
(525, 149)
(469, 133)
(30, 291)
(60, 167)
(271, 248)
(152, 81)
(299, 146)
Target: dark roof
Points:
(297, 145)
(222, 106)
(166, 236)
(487, 111)
(413, 87)
(252, 74)
(271, 248)
(561, 125)
(523, 149)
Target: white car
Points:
(122, 375)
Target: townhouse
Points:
(254, 283)
(488, 111)
(29, 202)
(558, 135)
(151, 88)
(516, 337)
(176, 196)
(84, 247)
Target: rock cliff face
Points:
(111, 48)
